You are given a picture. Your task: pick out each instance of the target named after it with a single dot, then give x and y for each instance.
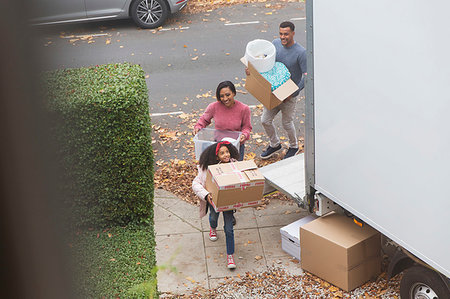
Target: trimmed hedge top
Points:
(102, 125)
(99, 85)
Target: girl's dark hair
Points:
(208, 157)
(224, 84)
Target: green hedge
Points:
(103, 131)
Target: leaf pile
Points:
(277, 283)
(196, 6)
(176, 176)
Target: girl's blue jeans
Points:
(227, 227)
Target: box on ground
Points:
(337, 250)
(206, 136)
(234, 185)
(261, 89)
(290, 236)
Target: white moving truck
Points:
(377, 135)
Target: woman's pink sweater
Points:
(236, 118)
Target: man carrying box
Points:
(293, 56)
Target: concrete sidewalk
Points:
(183, 237)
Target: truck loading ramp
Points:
(286, 176)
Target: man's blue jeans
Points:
(228, 226)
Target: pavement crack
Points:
(179, 217)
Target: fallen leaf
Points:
(333, 289)
(250, 156)
(190, 279)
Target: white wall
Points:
(382, 117)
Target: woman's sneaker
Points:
(230, 262)
(270, 151)
(212, 234)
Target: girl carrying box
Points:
(221, 152)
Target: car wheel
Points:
(149, 13)
(421, 283)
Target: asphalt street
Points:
(184, 61)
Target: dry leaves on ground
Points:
(196, 6)
(277, 283)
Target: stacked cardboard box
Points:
(337, 250)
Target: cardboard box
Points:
(290, 236)
(337, 250)
(234, 185)
(261, 89)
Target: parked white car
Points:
(145, 13)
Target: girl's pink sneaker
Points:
(230, 262)
(212, 234)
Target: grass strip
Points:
(118, 262)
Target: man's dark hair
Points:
(224, 84)
(287, 24)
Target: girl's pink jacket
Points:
(198, 185)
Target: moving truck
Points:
(377, 130)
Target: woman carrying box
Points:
(222, 152)
(228, 113)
